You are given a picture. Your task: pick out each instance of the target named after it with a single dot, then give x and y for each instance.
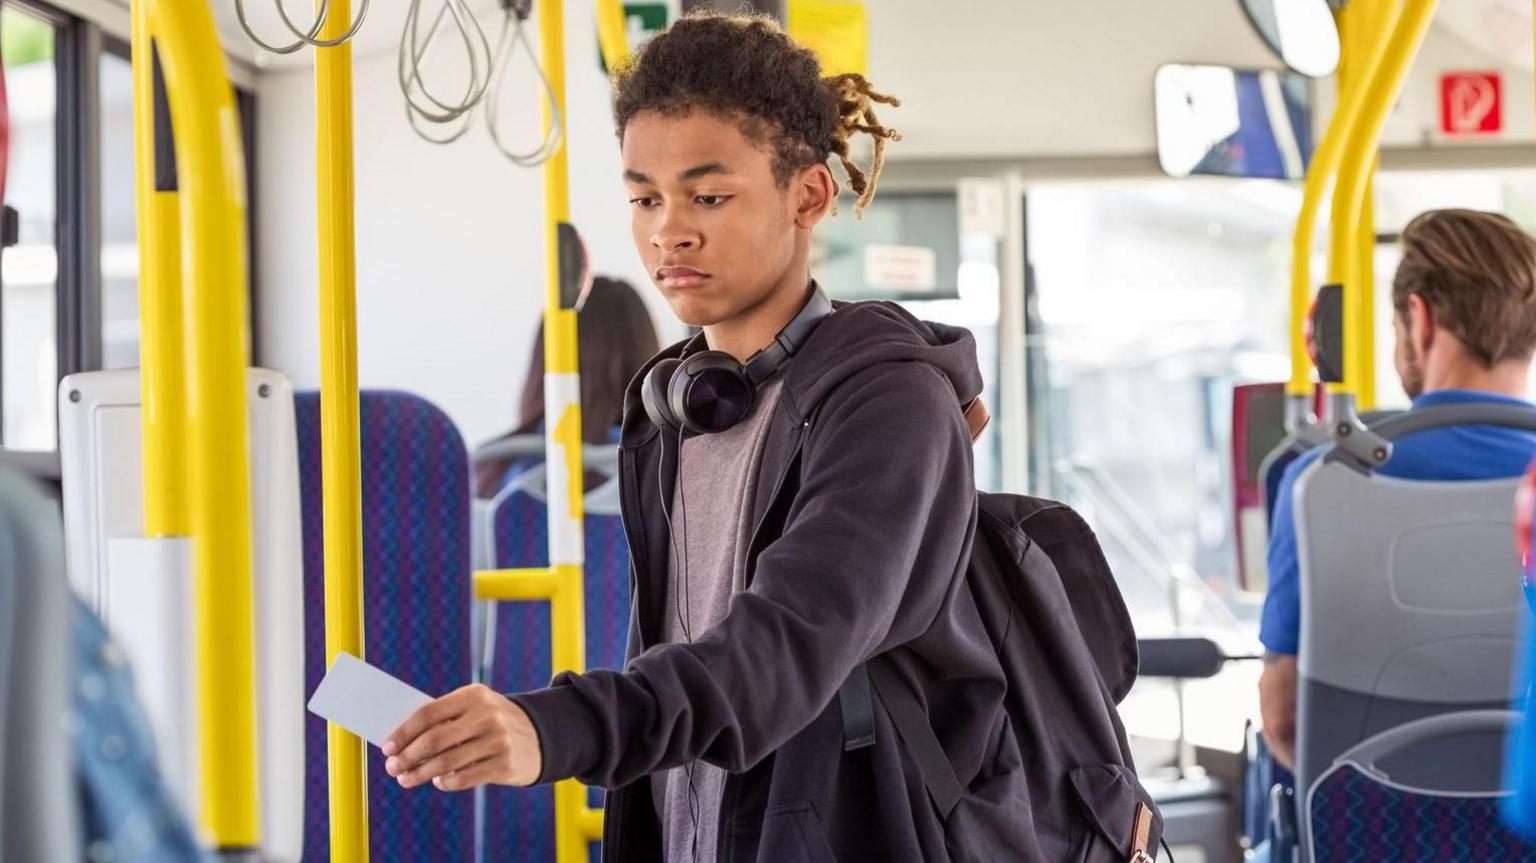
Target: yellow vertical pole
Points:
(1366, 274)
(562, 412)
(211, 176)
(341, 470)
(1376, 20)
(1325, 165)
(1388, 70)
(163, 360)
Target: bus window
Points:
(28, 311)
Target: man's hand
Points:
(470, 737)
(1277, 706)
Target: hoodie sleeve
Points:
(873, 545)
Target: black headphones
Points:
(710, 391)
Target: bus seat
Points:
(520, 822)
(416, 597)
(1272, 470)
(1406, 817)
(39, 815)
(1411, 608)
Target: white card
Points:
(365, 700)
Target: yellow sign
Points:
(838, 31)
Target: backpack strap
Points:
(858, 711)
(977, 417)
(923, 745)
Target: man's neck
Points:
(753, 329)
(1510, 379)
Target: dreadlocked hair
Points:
(744, 67)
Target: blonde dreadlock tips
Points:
(856, 101)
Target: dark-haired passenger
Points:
(1465, 324)
(799, 496)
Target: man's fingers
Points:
(435, 712)
(458, 758)
(473, 776)
(430, 744)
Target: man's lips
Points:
(680, 277)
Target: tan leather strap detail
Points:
(976, 417)
(1143, 835)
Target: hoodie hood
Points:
(853, 338)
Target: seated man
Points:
(1465, 325)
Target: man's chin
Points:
(694, 312)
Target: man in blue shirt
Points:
(1465, 327)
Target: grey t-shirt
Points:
(711, 528)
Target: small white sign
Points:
(901, 268)
(983, 207)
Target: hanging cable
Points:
(487, 74)
(414, 47)
(304, 38)
(512, 32)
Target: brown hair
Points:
(745, 68)
(1477, 272)
(614, 338)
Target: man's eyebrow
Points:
(636, 177)
(704, 171)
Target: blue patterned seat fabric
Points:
(1356, 819)
(416, 589)
(520, 822)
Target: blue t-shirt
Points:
(1452, 453)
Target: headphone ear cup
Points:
(653, 395)
(726, 395)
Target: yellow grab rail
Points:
(1384, 81)
(562, 422)
(211, 176)
(1320, 173)
(1365, 26)
(162, 368)
(610, 34)
(340, 435)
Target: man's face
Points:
(716, 231)
(1406, 356)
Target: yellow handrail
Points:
(1365, 25)
(211, 176)
(163, 389)
(610, 34)
(1388, 70)
(1320, 173)
(340, 436)
(562, 413)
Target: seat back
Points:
(520, 823)
(1407, 818)
(39, 816)
(1411, 608)
(416, 598)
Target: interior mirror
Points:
(1302, 32)
(1233, 122)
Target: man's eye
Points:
(712, 200)
(643, 202)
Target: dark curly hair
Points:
(745, 68)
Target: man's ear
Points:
(814, 192)
(1421, 324)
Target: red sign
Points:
(1471, 103)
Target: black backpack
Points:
(1067, 647)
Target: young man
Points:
(830, 523)
(1465, 296)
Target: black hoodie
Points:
(864, 515)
